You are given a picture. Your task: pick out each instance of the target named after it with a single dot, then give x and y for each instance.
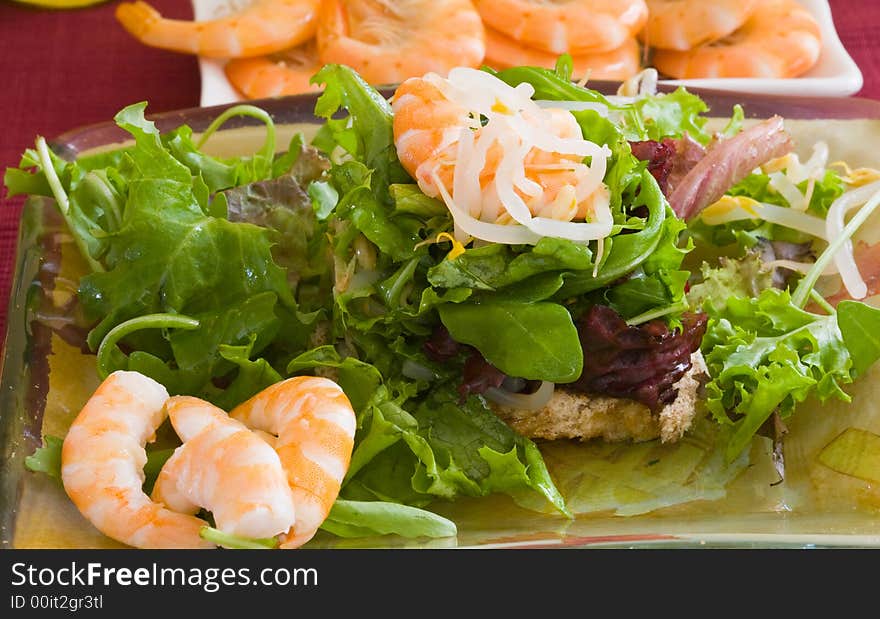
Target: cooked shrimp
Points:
(622, 63)
(387, 41)
(781, 39)
(686, 24)
(102, 466)
(432, 116)
(285, 73)
(566, 26)
(225, 468)
(264, 27)
(315, 425)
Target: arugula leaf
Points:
(859, 325)
(252, 377)
(495, 266)
(235, 542)
(363, 518)
(536, 341)
(549, 84)
(628, 251)
(360, 203)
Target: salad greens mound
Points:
(220, 276)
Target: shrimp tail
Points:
(138, 18)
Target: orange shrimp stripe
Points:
(325, 436)
(306, 476)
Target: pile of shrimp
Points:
(271, 468)
(274, 47)
(694, 39)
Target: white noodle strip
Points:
(571, 230)
(543, 226)
(808, 194)
(781, 215)
(547, 141)
(466, 188)
(648, 82)
(816, 164)
(494, 233)
(574, 106)
(518, 151)
(504, 181)
(785, 187)
(522, 401)
(844, 259)
(517, 126)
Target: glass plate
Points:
(45, 381)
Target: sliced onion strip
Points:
(788, 190)
(467, 226)
(730, 209)
(844, 259)
(521, 401)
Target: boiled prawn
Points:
(525, 165)
(622, 63)
(264, 27)
(225, 468)
(315, 425)
(566, 26)
(285, 73)
(102, 466)
(388, 41)
(686, 24)
(780, 40)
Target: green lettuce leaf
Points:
(765, 355)
(745, 277)
(668, 115)
(414, 447)
(46, 459)
(366, 131)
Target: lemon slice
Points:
(60, 4)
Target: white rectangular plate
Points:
(835, 74)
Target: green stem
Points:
(227, 540)
(821, 302)
(268, 149)
(62, 200)
(802, 292)
(151, 321)
(101, 184)
(657, 313)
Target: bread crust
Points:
(575, 415)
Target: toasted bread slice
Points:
(571, 414)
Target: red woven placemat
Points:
(65, 69)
